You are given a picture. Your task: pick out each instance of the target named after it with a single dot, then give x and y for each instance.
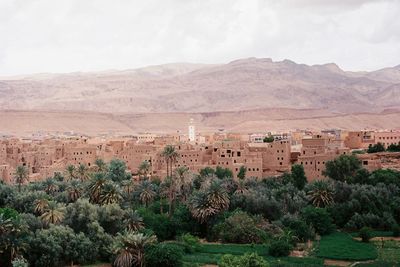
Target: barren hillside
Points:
(239, 85)
(26, 123)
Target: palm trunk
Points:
(167, 167)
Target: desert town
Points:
(262, 154)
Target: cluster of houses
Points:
(261, 156)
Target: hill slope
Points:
(239, 85)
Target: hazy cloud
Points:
(73, 35)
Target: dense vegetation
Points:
(83, 216)
(379, 147)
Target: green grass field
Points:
(337, 246)
(211, 254)
(341, 246)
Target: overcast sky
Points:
(86, 35)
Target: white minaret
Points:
(192, 131)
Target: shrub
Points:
(379, 147)
(164, 254)
(299, 227)
(247, 260)
(240, 228)
(365, 234)
(161, 224)
(319, 218)
(190, 242)
(359, 221)
(396, 230)
(279, 248)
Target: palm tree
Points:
(21, 175)
(101, 166)
(110, 194)
(127, 186)
(54, 213)
(321, 194)
(6, 224)
(241, 187)
(168, 189)
(129, 248)
(74, 190)
(146, 192)
(82, 172)
(41, 205)
(134, 222)
(144, 169)
(96, 186)
(205, 204)
(50, 186)
(70, 172)
(11, 241)
(185, 179)
(170, 155)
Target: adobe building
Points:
(44, 158)
(316, 151)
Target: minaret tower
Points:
(192, 131)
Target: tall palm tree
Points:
(110, 194)
(96, 186)
(70, 171)
(74, 190)
(100, 164)
(54, 213)
(184, 181)
(170, 155)
(207, 203)
(41, 206)
(133, 221)
(129, 248)
(168, 189)
(144, 169)
(21, 175)
(82, 172)
(146, 192)
(321, 194)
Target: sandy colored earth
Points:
(25, 123)
(337, 263)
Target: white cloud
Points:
(76, 35)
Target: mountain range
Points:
(260, 87)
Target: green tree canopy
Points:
(342, 168)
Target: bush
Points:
(190, 242)
(240, 228)
(396, 230)
(164, 254)
(359, 221)
(161, 224)
(299, 227)
(247, 260)
(319, 218)
(379, 147)
(279, 248)
(365, 234)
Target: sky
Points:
(89, 35)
